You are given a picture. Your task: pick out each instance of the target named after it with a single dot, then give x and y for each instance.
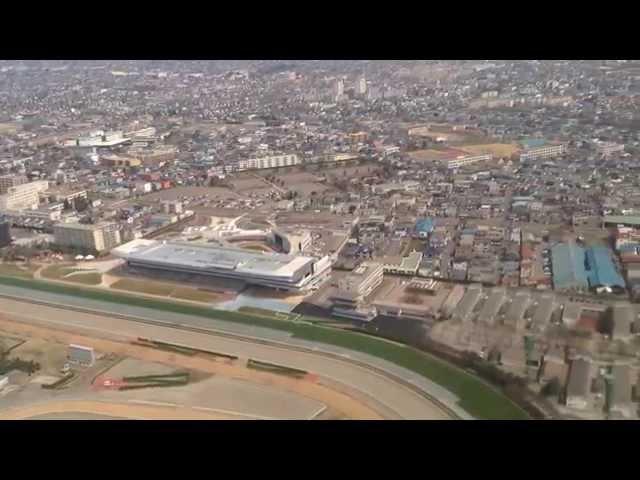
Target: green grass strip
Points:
(476, 397)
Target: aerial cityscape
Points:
(320, 240)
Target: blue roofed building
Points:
(602, 271)
(568, 264)
(576, 268)
(424, 227)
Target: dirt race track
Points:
(77, 409)
(362, 393)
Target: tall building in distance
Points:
(361, 86)
(339, 89)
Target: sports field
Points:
(496, 149)
(476, 397)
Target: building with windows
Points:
(99, 237)
(542, 152)
(25, 196)
(295, 273)
(8, 181)
(463, 160)
(353, 288)
(408, 265)
(273, 161)
(348, 300)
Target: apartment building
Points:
(8, 181)
(89, 237)
(468, 160)
(273, 161)
(540, 153)
(23, 197)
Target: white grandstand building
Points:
(296, 273)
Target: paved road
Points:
(405, 402)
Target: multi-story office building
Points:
(540, 153)
(23, 197)
(356, 286)
(88, 237)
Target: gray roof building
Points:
(492, 305)
(623, 316)
(578, 383)
(620, 401)
(464, 310)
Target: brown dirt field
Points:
(343, 404)
(497, 149)
(120, 410)
(429, 155)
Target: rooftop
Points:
(205, 256)
(568, 266)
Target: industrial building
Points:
(97, 238)
(576, 268)
(273, 270)
(569, 273)
(601, 270)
